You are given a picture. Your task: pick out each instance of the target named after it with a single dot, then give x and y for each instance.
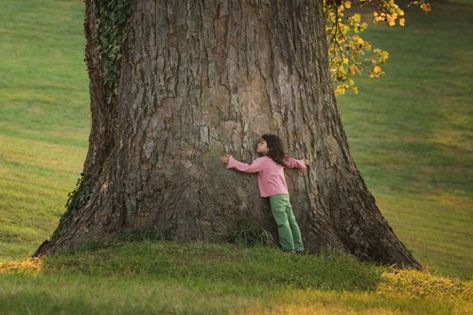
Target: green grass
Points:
(44, 82)
(44, 117)
(410, 134)
(164, 277)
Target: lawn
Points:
(410, 133)
(44, 117)
(150, 277)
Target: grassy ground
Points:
(158, 277)
(418, 164)
(43, 117)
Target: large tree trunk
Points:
(197, 79)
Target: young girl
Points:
(272, 183)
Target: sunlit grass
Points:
(43, 118)
(206, 278)
(419, 162)
(35, 178)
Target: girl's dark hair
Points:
(275, 147)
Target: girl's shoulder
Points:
(263, 158)
(267, 160)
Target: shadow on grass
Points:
(239, 265)
(43, 302)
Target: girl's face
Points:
(262, 147)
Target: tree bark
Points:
(198, 79)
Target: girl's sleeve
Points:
(293, 163)
(254, 167)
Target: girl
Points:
(272, 183)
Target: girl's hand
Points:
(306, 162)
(225, 158)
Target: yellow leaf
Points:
(425, 7)
(358, 40)
(402, 21)
(339, 90)
(379, 18)
(352, 70)
(377, 69)
(347, 4)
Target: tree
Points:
(176, 84)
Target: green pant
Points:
(289, 234)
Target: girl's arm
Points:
(254, 167)
(293, 163)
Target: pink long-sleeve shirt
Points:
(270, 177)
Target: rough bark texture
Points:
(199, 79)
